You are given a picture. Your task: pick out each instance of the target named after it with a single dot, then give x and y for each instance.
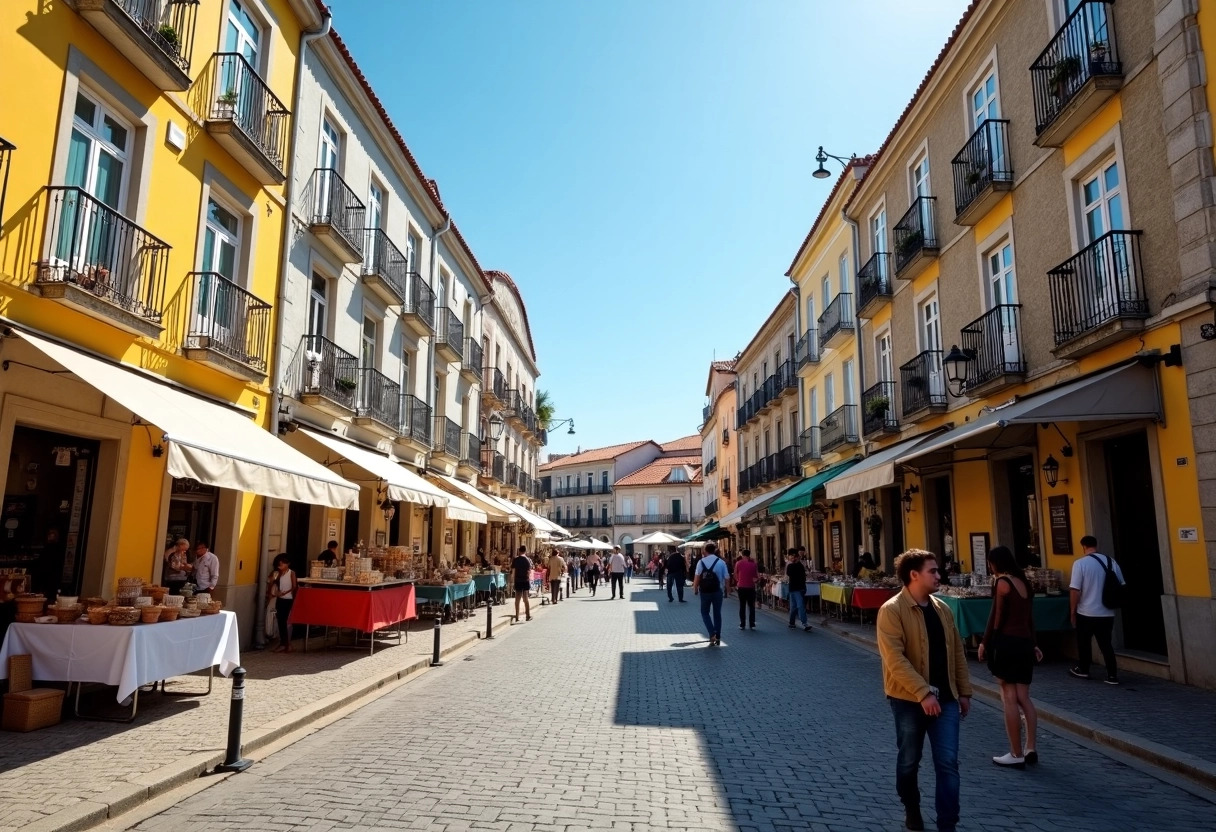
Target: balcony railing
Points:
(1084, 48)
(839, 428)
(470, 449)
(471, 365)
(711, 466)
(665, 519)
(705, 413)
(451, 332)
(6, 159)
(90, 245)
(513, 472)
(786, 377)
(419, 301)
(329, 371)
(878, 409)
(240, 97)
(711, 507)
(496, 384)
(922, 383)
(874, 282)
(808, 444)
(837, 318)
(626, 519)
(226, 318)
(447, 437)
(498, 468)
(1103, 282)
(983, 164)
(916, 232)
(784, 464)
(995, 341)
(385, 261)
(416, 419)
(336, 207)
(379, 397)
(806, 349)
(169, 26)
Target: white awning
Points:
(492, 510)
(459, 508)
(208, 442)
(875, 471)
(753, 504)
(402, 484)
(531, 518)
(514, 515)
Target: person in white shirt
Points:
(1090, 617)
(206, 568)
(616, 572)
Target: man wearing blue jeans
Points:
(712, 582)
(925, 677)
(795, 574)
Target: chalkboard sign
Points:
(837, 542)
(1061, 525)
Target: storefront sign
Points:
(1061, 525)
(837, 543)
(331, 529)
(979, 552)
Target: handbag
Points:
(272, 620)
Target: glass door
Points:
(1003, 294)
(985, 106)
(327, 161)
(89, 237)
(931, 339)
(374, 255)
(216, 306)
(241, 86)
(1110, 265)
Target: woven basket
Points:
(169, 613)
(99, 615)
(94, 601)
(122, 616)
(211, 609)
(26, 617)
(174, 601)
(69, 615)
(158, 593)
(30, 604)
(149, 615)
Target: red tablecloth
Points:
(870, 598)
(366, 610)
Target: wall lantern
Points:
(390, 510)
(956, 366)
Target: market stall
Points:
(454, 599)
(839, 596)
(1051, 612)
(491, 584)
(364, 608)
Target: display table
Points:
(125, 657)
(838, 595)
(447, 596)
(362, 607)
(871, 597)
(486, 583)
(1051, 612)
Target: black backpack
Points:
(1112, 589)
(710, 582)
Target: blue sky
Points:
(641, 168)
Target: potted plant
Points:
(910, 243)
(1062, 74)
(974, 174)
(878, 406)
(226, 104)
(346, 385)
(169, 35)
(1097, 51)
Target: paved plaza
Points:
(610, 714)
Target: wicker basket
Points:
(149, 615)
(68, 615)
(27, 708)
(158, 593)
(211, 609)
(94, 601)
(26, 617)
(169, 613)
(122, 616)
(99, 615)
(31, 604)
(188, 613)
(174, 601)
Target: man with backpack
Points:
(711, 581)
(1095, 594)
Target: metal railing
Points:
(711, 466)
(498, 467)
(874, 279)
(661, 519)
(513, 473)
(379, 397)
(447, 436)
(838, 317)
(784, 463)
(385, 260)
(451, 330)
(6, 159)
(226, 318)
(983, 160)
(1083, 48)
(472, 357)
(995, 341)
(497, 384)
(170, 26)
(916, 231)
(626, 519)
(786, 377)
(419, 299)
(335, 204)
(1102, 282)
(808, 443)
(806, 349)
(711, 507)
(329, 371)
(878, 408)
(416, 419)
(922, 382)
(839, 428)
(90, 245)
(470, 449)
(240, 95)
(705, 413)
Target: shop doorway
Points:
(350, 531)
(939, 518)
(299, 517)
(1134, 541)
(1019, 503)
(857, 544)
(47, 502)
(191, 512)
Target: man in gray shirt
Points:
(206, 568)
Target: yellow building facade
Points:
(142, 229)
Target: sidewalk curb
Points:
(1195, 769)
(129, 794)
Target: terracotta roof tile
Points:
(723, 366)
(684, 443)
(658, 472)
(605, 454)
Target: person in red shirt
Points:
(745, 581)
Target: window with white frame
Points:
(221, 240)
(318, 307)
(883, 356)
(367, 345)
(928, 323)
(1000, 280)
(1101, 196)
(829, 394)
(846, 281)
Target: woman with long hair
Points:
(281, 586)
(1011, 651)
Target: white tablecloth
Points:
(128, 657)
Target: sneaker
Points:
(1112, 680)
(913, 821)
(740, 626)
(807, 628)
(682, 601)
(1031, 756)
(753, 626)
(793, 626)
(1078, 672)
(1010, 761)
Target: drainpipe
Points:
(436, 233)
(796, 291)
(276, 393)
(861, 372)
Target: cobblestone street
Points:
(615, 715)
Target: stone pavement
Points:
(615, 715)
(78, 772)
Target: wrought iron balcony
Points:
(495, 386)
(994, 341)
(626, 519)
(1098, 293)
(806, 349)
(330, 376)
(247, 118)
(705, 413)
(1076, 74)
(156, 36)
(923, 384)
(513, 472)
(878, 409)
(6, 159)
(983, 171)
(665, 519)
(418, 311)
(379, 400)
(498, 469)
(711, 508)
(711, 466)
(808, 444)
(470, 450)
(783, 464)
(101, 263)
(874, 284)
(837, 321)
(470, 364)
(787, 378)
(447, 437)
(916, 237)
(839, 428)
(385, 270)
(415, 420)
(337, 215)
(449, 337)
(229, 327)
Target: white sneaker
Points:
(1010, 760)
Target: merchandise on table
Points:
(369, 566)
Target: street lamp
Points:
(823, 173)
(557, 424)
(497, 426)
(956, 364)
(386, 506)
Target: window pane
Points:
(78, 160)
(222, 218)
(109, 179)
(86, 110)
(1115, 206)
(1111, 177)
(1091, 191)
(114, 133)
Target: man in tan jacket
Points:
(557, 576)
(925, 677)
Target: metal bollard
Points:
(435, 653)
(232, 759)
(489, 620)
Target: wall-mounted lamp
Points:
(957, 365)
(823, 173)
(497, 426)
(551, 425)
(907, 498)
(388, 508)
(1051, 470)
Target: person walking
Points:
(628, 568)
(795, 574)
(676, 575)
(281, 587)
(593, 571)
(1009, 644)
(925, 678)
(746, 574)
(1091, 594)
(712, 582)
(616, 572)
(557, 576)
(521, 581)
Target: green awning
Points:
(703, 532)
(800, 495)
